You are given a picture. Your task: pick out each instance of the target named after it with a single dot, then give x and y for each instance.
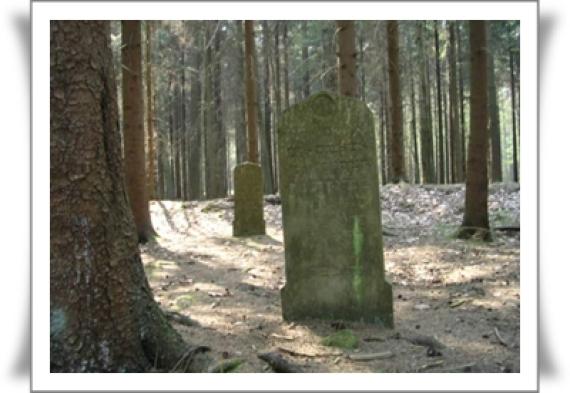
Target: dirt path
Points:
(460, 293)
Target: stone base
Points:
(334, 301)
(248, 200)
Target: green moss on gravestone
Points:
(344, 339)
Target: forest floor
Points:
(462, 294)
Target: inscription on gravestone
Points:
(331, 213)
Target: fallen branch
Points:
(500, 338)
(427, 366)
(278, 363)
(281, 337)
(512, 228)
(465, 368)
(370, 356)
(310, 355)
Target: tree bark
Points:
(286, 63)
(266, 136)
(103, 317)
(305, 58)
(195, 117)
(476, 219)
(461, 176)
(494, 121)
(347, 81)
(133, 128)
(457, 174)
(151, 171)
(428, 168)
(441, 155)
(398, 172)
(241, 133)
(251, 97)
(514, 118)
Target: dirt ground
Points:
(464, 294)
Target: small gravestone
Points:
(248, 200)
(331, 213)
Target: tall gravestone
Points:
(331, 213)
(248, 200)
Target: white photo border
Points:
(525, 11)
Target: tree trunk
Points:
(251, 97)
(151, 171)
(133, 128)
(476, 219)
(457, 174)
(362, 73)
(305, 58)
(398, 172)
(103, 317)
(461, 176)
(329, 74)
(347, 82)
(241, 133)
(266, 136)
(428, 169)
(494, 122)
(514, 118)
(195, 114)
(441, 155)
(286, 63)
(417, 178)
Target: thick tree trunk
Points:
(102, 314)
(361, 66)
(476, 219)
(133, 128)
(195, 114)
(398, 172)
(494, 122)
(514, 118)
(346, 38)
(441, 154)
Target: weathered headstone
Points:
(331, 213)
(248, 200)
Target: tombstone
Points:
(331, 213)
(248, 200)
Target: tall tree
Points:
(514, 116)
(461, 102)
(346, 38)
(103, 317)
(494, 121)
(133, 128)
(195, 115)
(251, 96)
(214, 132)
(398, 172)
(457, 174)
(151, 175)
(426, 134)
(241, 135)
(286, 63)
(266, 135)
(441, 155)
(476, 218)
